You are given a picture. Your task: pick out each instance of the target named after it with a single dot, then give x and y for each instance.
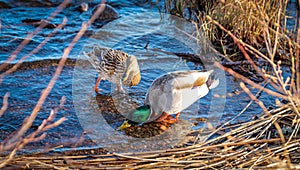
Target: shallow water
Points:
(140, 25)
(14, 30)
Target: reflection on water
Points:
(114, 110)
(112, 114)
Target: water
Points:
(14, 30)
(140, 25)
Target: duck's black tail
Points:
(212, 81)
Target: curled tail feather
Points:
(212, 81)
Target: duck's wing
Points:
(107, 61)
(180, 80)
(188, 79)
(96, 56)
(114, 62)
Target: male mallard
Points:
(114, 66)
(170, 94)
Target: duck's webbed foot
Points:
(162, 117)
(171, 119)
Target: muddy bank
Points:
(40, 63)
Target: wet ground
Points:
(92, 120)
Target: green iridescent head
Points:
(140, 114)
(137, 116)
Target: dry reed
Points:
(253, 144)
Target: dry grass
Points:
(248, 20)
(253, 144)
(258, 31)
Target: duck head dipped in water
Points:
(170, 94)
(114, 66)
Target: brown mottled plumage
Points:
(114, 66)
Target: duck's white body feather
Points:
(175, 91)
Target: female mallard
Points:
(114, 66)
(170, 94)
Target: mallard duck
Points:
(114, 66)
(170, 94)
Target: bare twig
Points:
(297, 64)
(257, 86)
(33, 137)
(32, 34)
(260, 103)
(17, 65)
(48, 89)
(15, 141)
(258, 94)
(5, 104)
(241, 45)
